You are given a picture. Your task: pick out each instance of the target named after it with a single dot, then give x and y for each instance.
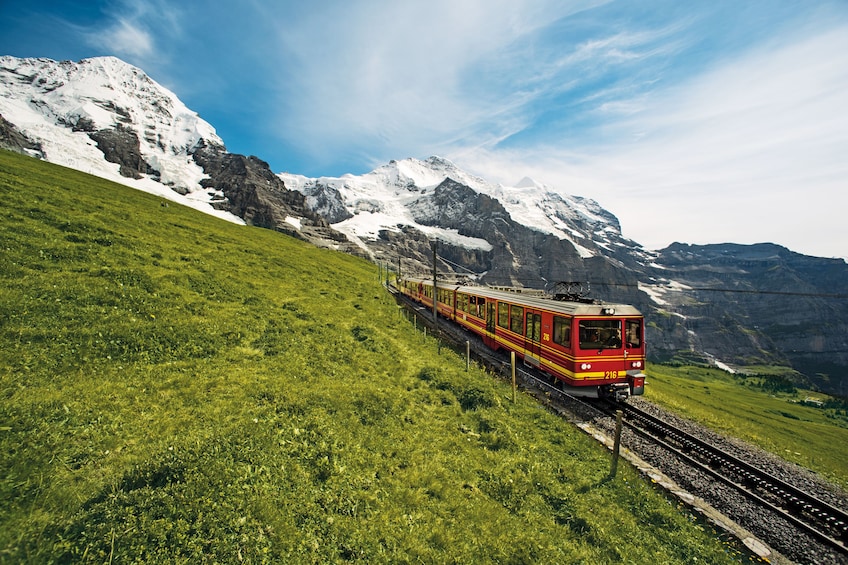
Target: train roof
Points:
(542, 303)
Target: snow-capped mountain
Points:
(60, 104)
(107, 118)
(400, 195)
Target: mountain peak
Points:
(441, 162)
(527, 182)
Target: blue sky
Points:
(701, 122)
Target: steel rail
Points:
(815, 517)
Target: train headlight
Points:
(636, 364)
(586, 366)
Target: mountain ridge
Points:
(103, 116)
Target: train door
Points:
(533, 337)
(634, 354)
(489, 337)
(490, 316)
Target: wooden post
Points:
(616, 444)
(512, 362)
(467, 355)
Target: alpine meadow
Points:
(181, 389)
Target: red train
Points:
(591, 349)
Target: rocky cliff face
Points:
(14, 140)
(247, 187)
(520, 255)
(754, 305)
(121, 146)
(252, 192)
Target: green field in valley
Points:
(176, 388)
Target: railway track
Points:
(816, 519)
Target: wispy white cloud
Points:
(403, 75)
(141, 32)
(124, 38)
(753, 150)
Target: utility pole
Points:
(435, 287)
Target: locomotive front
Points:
(609, 349)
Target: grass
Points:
(174, 388)
(762, 409)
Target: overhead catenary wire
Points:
(457, 265)
(714, 289)
(736, 290)
(836, 296)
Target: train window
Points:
(462, 302)
(481, 307)
(516, 318)
(534, 327)
(562, 331)
(503, 315)
(633, 333)
(477, 307)
(446, 296)
(600, 334)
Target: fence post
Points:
(467, 355)
(512, 362)
(616, 444)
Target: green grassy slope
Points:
(174, 388)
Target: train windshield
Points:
(600, 334)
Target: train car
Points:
(588, 348)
